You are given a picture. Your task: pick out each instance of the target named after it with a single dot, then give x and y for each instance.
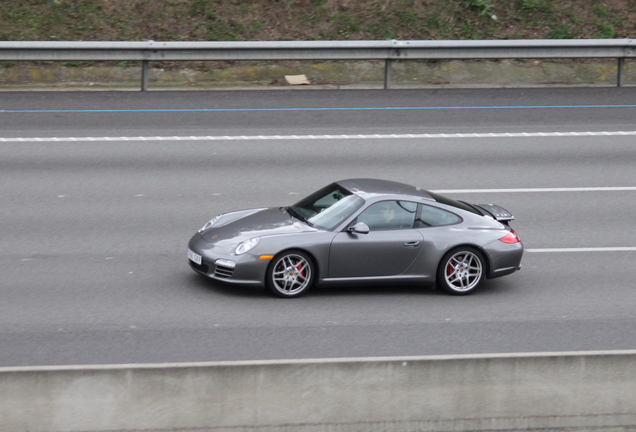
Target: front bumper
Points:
(249, 269)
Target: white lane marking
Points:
(321, 137)
(525, 190)
(591, 249)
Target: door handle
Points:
(412, 244)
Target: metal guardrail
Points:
(387, 50)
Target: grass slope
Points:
(224, 20)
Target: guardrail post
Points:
(144, 75)
(387, 74)
(621, 69)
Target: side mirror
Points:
(359, 228)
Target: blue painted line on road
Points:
(170, 110)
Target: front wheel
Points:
(290, 274)
(461, 271)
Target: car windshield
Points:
(327, 207)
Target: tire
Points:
(461, 271)
(290, 274)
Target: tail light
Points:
(510, 238)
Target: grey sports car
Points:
(359, 231)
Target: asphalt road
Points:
(92, 255)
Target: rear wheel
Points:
(290, 274)
(461, 271)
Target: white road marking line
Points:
(591, 249)
(320, 137)
(525, 190)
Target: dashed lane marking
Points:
(590, 249)
(540, 190)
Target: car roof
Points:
(368, 186)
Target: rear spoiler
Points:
(498, 213)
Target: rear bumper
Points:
(504, 258)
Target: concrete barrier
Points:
(327, 75)
(587, 391)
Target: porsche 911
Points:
(359, 231)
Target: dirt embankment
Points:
(222, 20)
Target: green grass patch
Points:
(606, 31)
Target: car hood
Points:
(266, 222)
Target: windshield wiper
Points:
(297, 215)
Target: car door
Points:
(389, 248)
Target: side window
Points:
(433, 216)
(389, 215)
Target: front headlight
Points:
(210, 223)
(246, 246)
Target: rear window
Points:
(451, 202)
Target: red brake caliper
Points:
(449, 269)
